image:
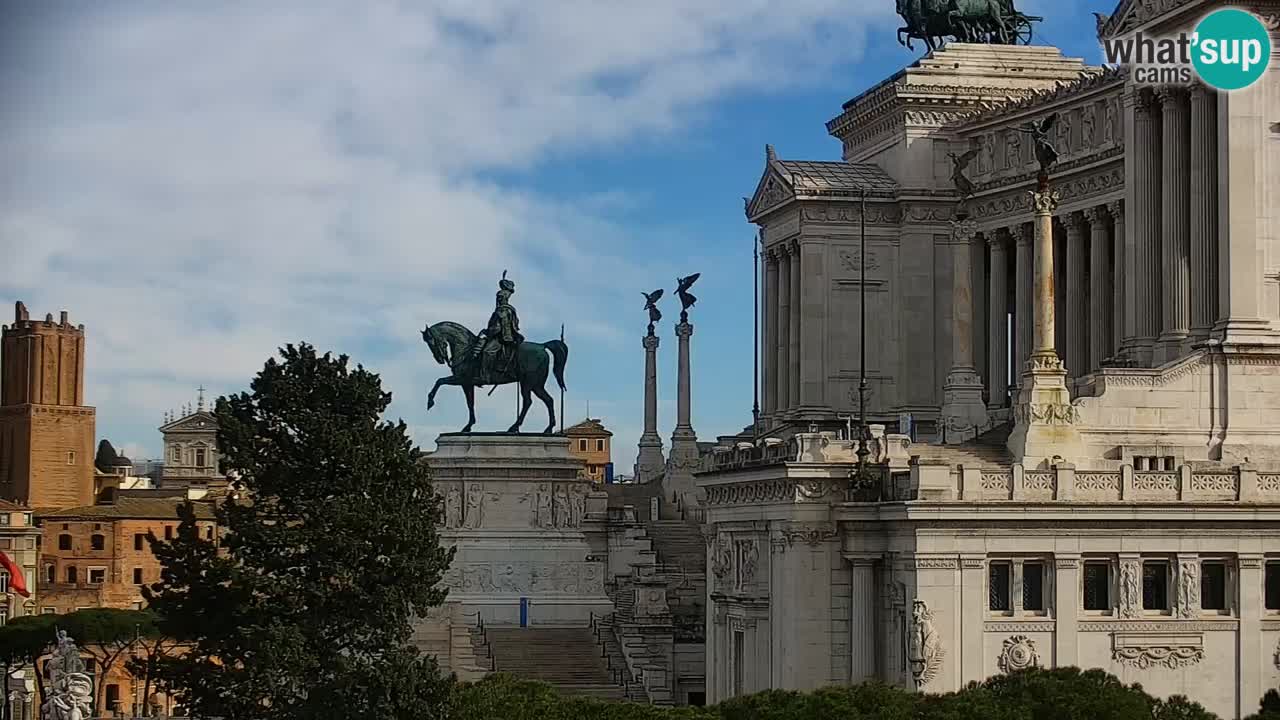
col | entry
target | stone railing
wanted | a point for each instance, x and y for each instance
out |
(937, 481)
(812, 447)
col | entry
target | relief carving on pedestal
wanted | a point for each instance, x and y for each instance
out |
(721, 561)
(542, 515)
(475, 507)
(453, 507)
(1130, 589)
(1019, 653)
(1188, 589)
(561, 507)
(924, 648)
(748, 560)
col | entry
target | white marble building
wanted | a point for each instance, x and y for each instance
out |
(1131, 521)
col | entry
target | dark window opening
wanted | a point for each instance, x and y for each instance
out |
(137, 576)
(1097, 586)
(98, 542)
(64, 542)
(998, 586)
(1272, 586)
(1155, 585)
(168, 532)
(71, 574)
(1213, 586)
(1033, 586)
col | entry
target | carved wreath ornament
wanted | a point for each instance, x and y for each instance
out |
(1019, 653)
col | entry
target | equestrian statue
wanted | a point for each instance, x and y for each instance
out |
(499, 355)
(992, 22)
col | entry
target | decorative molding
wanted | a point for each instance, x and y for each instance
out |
(1214, 483)
(812, 535)
(1161, 482)
(851, 259)
(1046, 413)
(970, 563)
(1018, 653)
(741, 624)
(1170, 652)
(1157, 626)
(997, 481)
(1098, 481)
(777, 490)
(1020, 626)
(877, 213)
(1040, 480)
(1187, 600)
(1269, 482)
(935, 563)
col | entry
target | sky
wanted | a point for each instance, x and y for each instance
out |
(202, 183)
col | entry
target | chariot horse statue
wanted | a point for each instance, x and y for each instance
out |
(499, 355)
(994, 22)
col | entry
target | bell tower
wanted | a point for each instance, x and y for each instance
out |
(46, 431)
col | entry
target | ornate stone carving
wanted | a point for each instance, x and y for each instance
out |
(1269, 482)
(811, 535)
(561, 507)
(1019, 653)
(1188, 601)
(543, 516)
(1130, 589)
(935, 563)
(878, 213)
(1020, 626)
(813, 489)
(721, 561)
(453, 507)
(963, 231)
(851, 259)
(1158, 656)
(748, 561)
(1039, 480)
(924, 648)
(1167, 626)
(1046, 413)
(1214, 483)
(1164, 482)
(1108, 482)
(475, 507)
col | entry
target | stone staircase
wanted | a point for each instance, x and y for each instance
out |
(606, 634)
(986, 452)
(566, 657)
(679, 545)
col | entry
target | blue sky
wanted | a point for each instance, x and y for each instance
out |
(201, 183)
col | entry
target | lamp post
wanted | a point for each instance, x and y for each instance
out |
(755, 325)
(862, 485)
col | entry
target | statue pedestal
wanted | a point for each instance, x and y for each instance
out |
(514, 508)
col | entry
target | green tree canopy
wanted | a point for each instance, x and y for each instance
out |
(329, 550)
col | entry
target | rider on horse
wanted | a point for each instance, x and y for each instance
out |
(502, 338)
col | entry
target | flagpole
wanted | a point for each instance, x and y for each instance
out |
(755, 342)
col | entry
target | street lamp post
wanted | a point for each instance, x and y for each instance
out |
(862, 485)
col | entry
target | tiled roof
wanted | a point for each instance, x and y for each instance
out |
(590, 426)
(132, 508)
(819, 177)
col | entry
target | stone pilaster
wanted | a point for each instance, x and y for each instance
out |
(1099, 308)
(1204, 211)
(1077, 297)
(1023, 315)
(862, 620)
(1119, 281)
(678, 483)
(793, 358)
(962, 407)
(998, 319)
(649, 459)
(770, 350)
(784, 331)
(1044, 418)
(1144, 224)
(1175, 230)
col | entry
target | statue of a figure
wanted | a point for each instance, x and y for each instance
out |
(70, 690)
(651, 304)
(686, 298)
(562, 507)
(577, 507)
(1046, 153)
(544, 518)
(924, 650)
(963, 184)
(453, 507)
(475, 507)
(497, 356)
(498, 342)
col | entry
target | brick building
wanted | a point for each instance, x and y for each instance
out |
(18, 540)
(589, 442)
(46, 431)
(98, 555)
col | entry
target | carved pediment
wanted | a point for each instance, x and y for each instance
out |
(774, 188)
(197, 422)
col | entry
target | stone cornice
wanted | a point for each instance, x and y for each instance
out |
(1042, 99)
(1012, 203)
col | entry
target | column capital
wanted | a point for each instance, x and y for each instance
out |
(996, 239)
(1199, 90)
(793, 246)
(1142, 100)
(1045, 202)
(1096, 214)
(650, 342)
(1073, 222)
(964, 230)
(1170, 95)
(1024, 233)
(770, 256)
(1116, 208)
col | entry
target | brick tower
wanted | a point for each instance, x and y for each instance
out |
(46, 432)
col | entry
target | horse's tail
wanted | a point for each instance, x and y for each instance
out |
(560, 355)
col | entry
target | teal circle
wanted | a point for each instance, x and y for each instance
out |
(1226, 40)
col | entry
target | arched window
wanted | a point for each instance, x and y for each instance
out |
(71, 574)
(64, 541)
(51, 572)
(99, 542)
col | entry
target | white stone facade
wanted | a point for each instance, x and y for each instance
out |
(1132, 523)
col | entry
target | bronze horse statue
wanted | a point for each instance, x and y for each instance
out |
(983, 21)
(453, 345)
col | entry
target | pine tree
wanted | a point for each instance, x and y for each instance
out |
(328, 549)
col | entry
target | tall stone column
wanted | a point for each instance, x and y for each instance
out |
(1023, 234)
(649, 460)
(1175, 224)
(1204, 211)
(678, 484)
(1099, 308)
(998, 319)
(794, 356)
(862, 619)
(1044, 419)
(962, 407)
(784, 331)
(1120, 282)
(1077, 296)
(770, 350)
(1145, 228)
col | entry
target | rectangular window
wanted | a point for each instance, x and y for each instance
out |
(1271, 586)
(71, 457)
(139, 541)
(71, 574)
(1033, 586)
(1155, 585)
(4, 519)
(998, 574)
(168, 532)
(1097, 585)
(200, 457)
(599, 446)
(739, 659)
(1213, 585)
(582, 445)
(4, 581)
(137, 576)
(97, 576)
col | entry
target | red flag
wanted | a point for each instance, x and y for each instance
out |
(17, 580)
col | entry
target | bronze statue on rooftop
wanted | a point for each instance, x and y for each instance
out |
(991, 22)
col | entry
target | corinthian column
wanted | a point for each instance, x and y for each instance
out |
(1077, 310)
(1204, 211)
(1175, 224)
(1144, 223)
(649, 460)
(962, 407)
(998, 329)
(783, 337)
(1023, 234)
(1099, 307)
(1120, 332)
(794, 357)
(770, 350)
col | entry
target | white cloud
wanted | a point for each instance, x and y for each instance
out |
(200, 184)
